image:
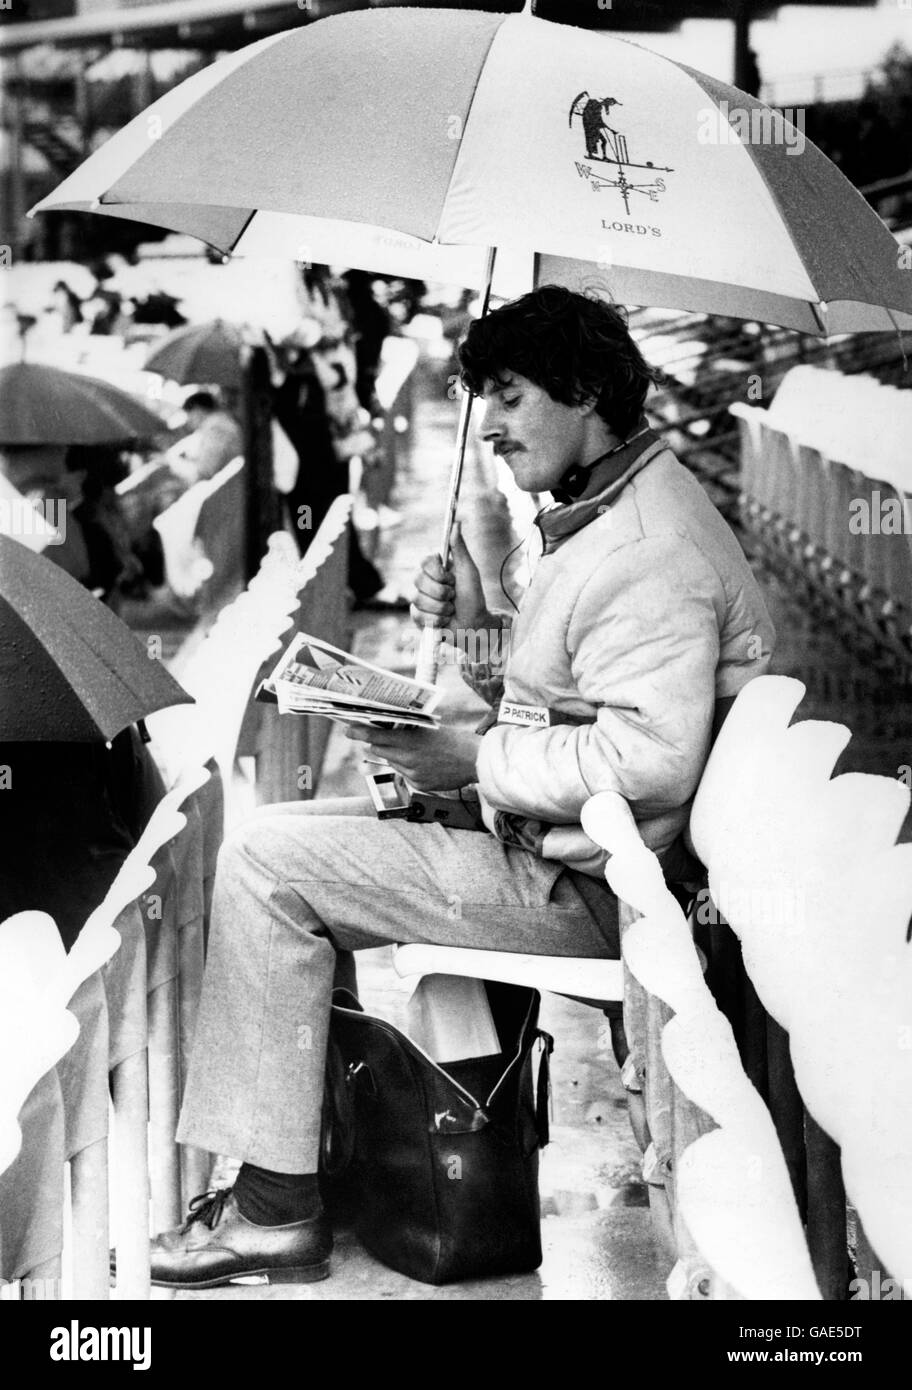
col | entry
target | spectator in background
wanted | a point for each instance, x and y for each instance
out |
(215, 439)
(39, 472)
(751, 76)
(323, 355)
(870, 156)
(403, 299)
(158, 307)
(68, 819)
(98, 512)
(103, 306)
(79, 481)
(372, 324)
(67, 306)
(300, 408)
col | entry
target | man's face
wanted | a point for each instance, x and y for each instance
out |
(538, 437)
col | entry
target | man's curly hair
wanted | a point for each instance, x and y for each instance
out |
(572, 346)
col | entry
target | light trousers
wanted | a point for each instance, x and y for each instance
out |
(296, 885)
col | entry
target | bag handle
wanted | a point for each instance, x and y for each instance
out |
(543, 1088)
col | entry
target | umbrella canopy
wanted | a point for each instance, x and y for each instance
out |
(200, 352)
(44, 405)
(70, 671)
(479, 130)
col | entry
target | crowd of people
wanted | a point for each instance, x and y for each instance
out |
(93, 800)
(325, 407)
(326, 418)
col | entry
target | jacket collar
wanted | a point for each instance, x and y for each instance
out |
(557, 522)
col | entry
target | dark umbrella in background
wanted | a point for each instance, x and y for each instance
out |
(207, 353)
(70, 671)
(40, 404)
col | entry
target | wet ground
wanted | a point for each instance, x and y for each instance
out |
(597, 1232)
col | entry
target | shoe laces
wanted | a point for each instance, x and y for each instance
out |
(207, 1207)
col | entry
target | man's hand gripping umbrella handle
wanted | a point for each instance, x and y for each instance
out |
(426, 665)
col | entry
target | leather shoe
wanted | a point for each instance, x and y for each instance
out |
(217, 1243)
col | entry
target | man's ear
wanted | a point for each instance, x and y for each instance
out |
(587, 405)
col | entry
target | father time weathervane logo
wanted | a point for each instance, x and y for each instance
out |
(606, 145)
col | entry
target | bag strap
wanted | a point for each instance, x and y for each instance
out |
(337, 1131)
(337, 1134)
(543, 1088)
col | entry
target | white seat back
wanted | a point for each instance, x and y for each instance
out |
(806, 869)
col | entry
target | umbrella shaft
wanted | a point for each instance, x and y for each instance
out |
(426, 667)
(462, 432)
(462, 437)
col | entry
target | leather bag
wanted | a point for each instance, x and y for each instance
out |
(438, 1163)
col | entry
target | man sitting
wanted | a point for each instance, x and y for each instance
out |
(215, 439)
(641, 618)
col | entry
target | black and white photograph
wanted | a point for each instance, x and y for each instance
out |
(455, 668)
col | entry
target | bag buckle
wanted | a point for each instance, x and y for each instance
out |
(357, 1070)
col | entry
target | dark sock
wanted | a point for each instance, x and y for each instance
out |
(275, 1199)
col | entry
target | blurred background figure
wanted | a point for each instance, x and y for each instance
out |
(79, 482)
(114, 567)
(103, 308)
(371, 324)
(300, 409)
(66, 306)
(403, 299)
(316, 406)
(752, 81)
(215, 439)
(68, 819)
(39, 472)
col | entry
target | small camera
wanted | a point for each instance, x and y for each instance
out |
(389, 794)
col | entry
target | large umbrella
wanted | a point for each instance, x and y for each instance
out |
(40, 404)
(475, 131)
(70, 671)
(200, 352)
(485, 130)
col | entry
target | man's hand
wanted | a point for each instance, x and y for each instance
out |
(451, 598)
(431, 759)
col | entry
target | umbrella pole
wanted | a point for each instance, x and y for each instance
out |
(426, 666)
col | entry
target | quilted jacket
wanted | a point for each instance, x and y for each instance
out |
(642, 611)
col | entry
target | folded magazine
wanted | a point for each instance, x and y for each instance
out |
(313, 677)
